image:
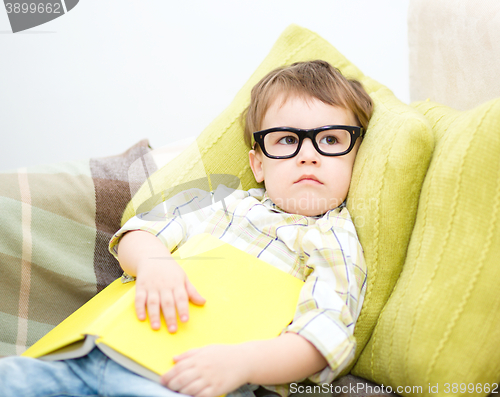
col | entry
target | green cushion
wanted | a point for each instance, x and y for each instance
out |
(387, 178)
(56, 223)
(441, 324)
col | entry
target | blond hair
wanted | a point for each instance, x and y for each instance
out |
(317, 79)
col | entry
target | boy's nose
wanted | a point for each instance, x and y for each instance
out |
(308, 153)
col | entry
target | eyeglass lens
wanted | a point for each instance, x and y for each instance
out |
(285, 143)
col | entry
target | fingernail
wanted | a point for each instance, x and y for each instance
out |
(184, 318)
(172, 328)
(156, 325)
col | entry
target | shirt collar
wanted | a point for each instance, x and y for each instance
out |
(267, 202)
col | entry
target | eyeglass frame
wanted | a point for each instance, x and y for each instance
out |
(355, 131)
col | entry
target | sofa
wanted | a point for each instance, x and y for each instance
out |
(426, 207)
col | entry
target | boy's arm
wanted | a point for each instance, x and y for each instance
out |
(318, 344)
(284, 359)
(214, 370)
(162, 285)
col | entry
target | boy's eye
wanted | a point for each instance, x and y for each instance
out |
(329, 140)
(288, 140)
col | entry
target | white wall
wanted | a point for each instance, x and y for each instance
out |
(111, 72)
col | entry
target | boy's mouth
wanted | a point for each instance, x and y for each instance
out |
(308, 179)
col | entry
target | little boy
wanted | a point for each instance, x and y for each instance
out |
(307, 121)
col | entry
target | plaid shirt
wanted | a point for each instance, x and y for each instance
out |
(323, 251)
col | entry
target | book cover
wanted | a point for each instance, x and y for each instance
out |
(247, 299)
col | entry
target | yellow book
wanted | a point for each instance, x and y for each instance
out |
(247, 299)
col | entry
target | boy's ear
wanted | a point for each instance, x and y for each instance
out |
(255, 159)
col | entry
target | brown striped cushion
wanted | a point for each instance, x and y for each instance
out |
(56, 222)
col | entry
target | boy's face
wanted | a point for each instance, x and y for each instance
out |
(309, 183)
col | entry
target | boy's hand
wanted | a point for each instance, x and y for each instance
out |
(210, 371)
(215, 370)
(162, 286)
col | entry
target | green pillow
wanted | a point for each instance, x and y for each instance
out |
(441, 324)
(387, 178)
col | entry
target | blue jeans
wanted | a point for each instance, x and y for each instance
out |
(91, 375)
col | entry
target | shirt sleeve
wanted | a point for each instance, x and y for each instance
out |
(171, 221)
(333, 293)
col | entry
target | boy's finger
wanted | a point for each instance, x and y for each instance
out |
(140, 303)
(168, 309)
(179, 376)
(185, 355)
(194, 295)
(181, 302)
(194, 387)
(153, 303)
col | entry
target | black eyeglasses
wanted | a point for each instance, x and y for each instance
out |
(329, 140)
